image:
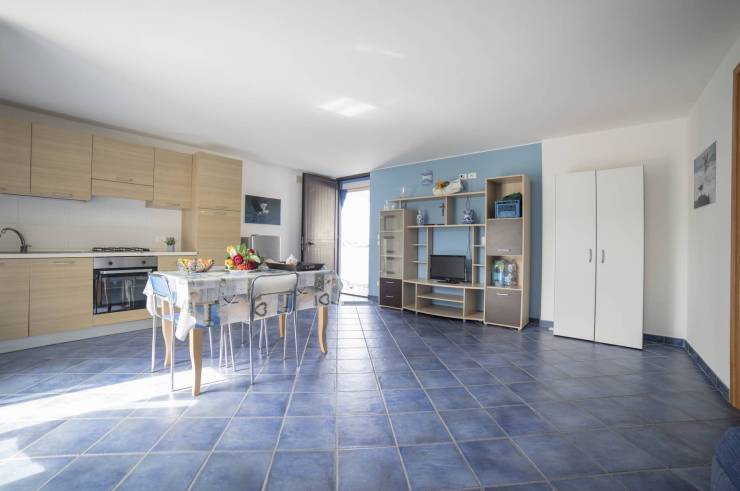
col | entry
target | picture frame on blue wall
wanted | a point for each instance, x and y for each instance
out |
(427, 178)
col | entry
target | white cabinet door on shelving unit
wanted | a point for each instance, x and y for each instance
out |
(575, 254)
(619, 271)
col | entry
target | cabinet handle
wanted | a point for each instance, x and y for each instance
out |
(219, 208)
(603, 256)
(390, 296)
(502, 294)
(590, 255)
(63, 262)
(503, 250)
(172, 204)
(124, 179)
(62, 195)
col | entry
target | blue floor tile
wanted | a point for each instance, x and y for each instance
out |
(258, 404)
(494, 395)
(313, 405)
(613, 451)
(133, 435)
(302, 470)
(452, 398)
(397, 380)
(654, 481)
(668, 449)
(234, 471)
(520, 420)
(566, 416)
(364, 431)
(602, 483)
(383, 464)
(72, 437)
(471, 424)
(498, 462)
(437, 467)
(216, 405)
(250, 434)
(414, 428)
(556, 457)
(29, 473)
(475, 377)
(406, 400)
(364, 402)
(192, 434)
(308, 434)
(164, 471)
(93, 472)
(437, 378)
(356, 381)
(15, 436)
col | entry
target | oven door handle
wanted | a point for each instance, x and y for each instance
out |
(125, 271)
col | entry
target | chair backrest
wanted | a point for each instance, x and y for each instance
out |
(160, 286)
(273, 294)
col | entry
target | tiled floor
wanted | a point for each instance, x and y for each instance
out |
(400, 401)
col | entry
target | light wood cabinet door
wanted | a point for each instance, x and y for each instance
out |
(216, 230)
(61, 163)
(13, 299)
(173, 173)
(169, 263)
(61, 295)
(118, 161)
(15, 156)
(218, 182)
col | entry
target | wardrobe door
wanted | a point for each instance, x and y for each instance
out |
(621, 242)
(575, 254)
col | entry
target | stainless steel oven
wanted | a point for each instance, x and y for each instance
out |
(118, 282)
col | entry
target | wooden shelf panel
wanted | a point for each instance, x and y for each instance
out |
(441, 225)
(512, 288)
(442, 311)
(410, 306)
(442, 297)
(472, 286)
(443, 196)
(474, 316)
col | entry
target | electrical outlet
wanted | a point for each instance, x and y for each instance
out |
(472, 175)
(462, 175)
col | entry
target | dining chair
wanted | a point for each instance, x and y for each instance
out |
(272, 295)
(232, 308)
(164, 309)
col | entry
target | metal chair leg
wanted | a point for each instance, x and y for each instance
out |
(210, 339)
(295, 339)
(285, 343)
(251, 365)
(172, 350)
(259, 344)
(267, 339)
(231, 346)
(154, 340)
(242, 333)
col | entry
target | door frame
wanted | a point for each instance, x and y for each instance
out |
(338, 245)
(735, 245)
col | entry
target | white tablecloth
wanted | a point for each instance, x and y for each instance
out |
(190, 290)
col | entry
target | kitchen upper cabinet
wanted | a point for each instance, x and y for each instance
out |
(61, 163)
(216, 230)
(172, 179)
(217, 182)
(14, 285)
(118, 161)
(61, 293)
(15, 156)
(169, 263)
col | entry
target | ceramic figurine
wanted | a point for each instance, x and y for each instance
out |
(468, 217)
(510, 276)
(420, 218)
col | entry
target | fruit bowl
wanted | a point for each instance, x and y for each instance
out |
(189, 266)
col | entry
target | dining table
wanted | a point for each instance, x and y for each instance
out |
(193, 294)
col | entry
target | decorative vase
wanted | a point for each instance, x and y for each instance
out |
(420, 218)
(170, 247)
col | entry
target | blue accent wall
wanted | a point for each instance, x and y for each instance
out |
(385, 184)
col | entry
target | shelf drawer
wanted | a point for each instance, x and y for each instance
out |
(503, 307)
(390, 292)
(504, 237)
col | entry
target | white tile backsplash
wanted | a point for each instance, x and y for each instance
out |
(57, 224)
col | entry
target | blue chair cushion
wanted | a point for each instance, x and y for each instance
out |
(727, 458)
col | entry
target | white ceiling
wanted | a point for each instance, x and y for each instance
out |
(341, 87)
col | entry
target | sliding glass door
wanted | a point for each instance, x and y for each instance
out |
(354, 235)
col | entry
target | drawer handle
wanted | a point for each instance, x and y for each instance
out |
(172, 204)
(390, 296)
(62, 195)
(503, 250)
(124, 179)
(63, 262)
(219, 207)
(502, 294)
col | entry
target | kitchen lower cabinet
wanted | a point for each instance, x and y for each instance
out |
(14, 286)
(61, 295)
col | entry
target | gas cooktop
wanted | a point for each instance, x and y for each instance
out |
(120, 249)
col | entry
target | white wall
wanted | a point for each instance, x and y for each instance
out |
(276, 182)
(708, 297)
(661, 148)
(56, 224)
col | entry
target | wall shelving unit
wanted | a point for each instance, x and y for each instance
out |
(478, 299)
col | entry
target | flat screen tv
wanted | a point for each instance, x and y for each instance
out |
(448, 268)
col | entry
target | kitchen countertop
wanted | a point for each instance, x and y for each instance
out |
(53, 254)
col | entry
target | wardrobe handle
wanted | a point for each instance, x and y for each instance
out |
(590, 255)
(603, 256)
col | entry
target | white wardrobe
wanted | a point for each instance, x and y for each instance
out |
(599, 255)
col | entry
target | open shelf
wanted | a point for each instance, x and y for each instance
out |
(440, 225)
(440, 196)
(442, 297)
(474, 286)
(441, 310)
(410, 306)
(475, 316)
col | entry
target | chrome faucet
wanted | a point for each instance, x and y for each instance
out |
(24, 246)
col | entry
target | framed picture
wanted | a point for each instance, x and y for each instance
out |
(427, 178)
(261, 210)
(705, 177)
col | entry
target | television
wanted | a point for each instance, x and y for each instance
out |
(448, 268)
